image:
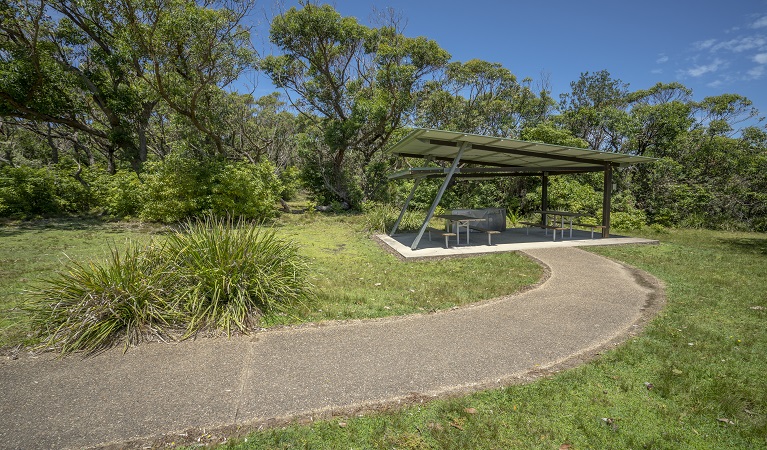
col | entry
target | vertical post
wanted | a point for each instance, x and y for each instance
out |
(464, 146)
(606, 200)
(404, 207)
(544, 196)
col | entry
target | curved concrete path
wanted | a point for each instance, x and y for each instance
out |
(181, 391)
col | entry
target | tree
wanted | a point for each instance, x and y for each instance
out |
(352, 82)
(190, 52)
(482, 98)
(594, 110)
(101, 68)
(659, 115)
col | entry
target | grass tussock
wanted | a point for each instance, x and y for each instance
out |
(211, 275)
(228, 275)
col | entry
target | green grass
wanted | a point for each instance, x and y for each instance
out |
(704, 357)
(209, 275)
(352, 275)
(355, 278)
(32, 251)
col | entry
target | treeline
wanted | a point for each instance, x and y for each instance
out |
(125, 107)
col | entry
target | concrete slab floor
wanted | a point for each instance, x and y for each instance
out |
(511, 240)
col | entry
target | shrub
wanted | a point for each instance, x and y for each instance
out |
(181, 187)
(175, 189)
(633, 220)
(46, 191)
(244, 190)
(380, 218)
(121, 194)
(290, 178)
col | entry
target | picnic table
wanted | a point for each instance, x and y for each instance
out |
(562, 215)
(460, 221)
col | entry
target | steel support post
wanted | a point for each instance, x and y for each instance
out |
(404, 208)
(544, 197)
(606, 200)
(464, 146)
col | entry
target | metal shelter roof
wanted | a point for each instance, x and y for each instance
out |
(508, 156)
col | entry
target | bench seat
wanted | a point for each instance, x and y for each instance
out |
(588, 225)
(489, 233)
(444, 233)
(547, 227)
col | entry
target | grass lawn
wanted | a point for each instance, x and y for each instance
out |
(696, 378)
(354, 277)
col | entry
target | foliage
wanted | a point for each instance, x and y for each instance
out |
(228, 274)
(121, 194)
(182, 187)
(482, 98)
(353, 82)
(102, 74)
(211, 275)
(28, 192)
(380, 218)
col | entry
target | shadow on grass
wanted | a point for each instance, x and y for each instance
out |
(15, 227)
(747, 245)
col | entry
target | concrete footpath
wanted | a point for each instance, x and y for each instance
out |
(180, 392)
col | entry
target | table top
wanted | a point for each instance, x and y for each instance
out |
(459, 217)
(560, 213)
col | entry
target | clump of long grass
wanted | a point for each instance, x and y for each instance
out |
(229, 274)
(211, 274)
(380, 218)
(90, 306)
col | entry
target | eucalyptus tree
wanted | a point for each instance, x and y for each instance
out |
(352, 82)
(659, 115)
(190, 51)
(595, 110)
(260, 128)
(101, 68)
(483, 98)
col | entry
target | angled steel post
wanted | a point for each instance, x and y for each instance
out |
(545, 198)
(606, 200)
(404, 208)
(464, 146)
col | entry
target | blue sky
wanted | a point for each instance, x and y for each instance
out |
(712, 47)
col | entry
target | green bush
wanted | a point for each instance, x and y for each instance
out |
(290, 178)
(27, 192)
(380, 218)
(244, 190)
(175, 189)
(121, 194)
(211, 275)
(633, 220)
(181, 187)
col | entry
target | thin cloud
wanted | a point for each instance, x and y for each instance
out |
(704, 45)
(755, 73)
(701, 70)
(760, 22)
(661, 59)
(760, 58)
(740, 44)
